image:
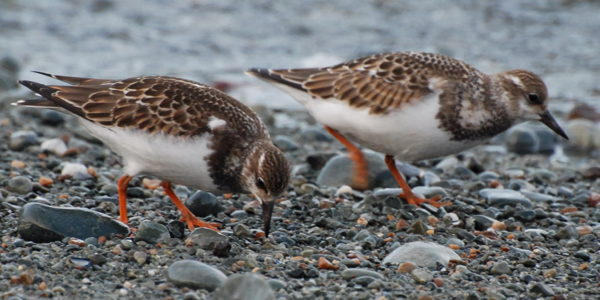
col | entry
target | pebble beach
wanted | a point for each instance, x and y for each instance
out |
(524, 221)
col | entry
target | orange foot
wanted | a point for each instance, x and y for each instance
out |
(195, 222)
(418, 201)
(407, 191)
(188, 216)
(360, 176)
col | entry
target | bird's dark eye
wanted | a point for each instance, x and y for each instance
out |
(260, 183)
(534, 99)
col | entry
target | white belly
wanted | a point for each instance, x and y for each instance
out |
(169, 158)
(410, 133)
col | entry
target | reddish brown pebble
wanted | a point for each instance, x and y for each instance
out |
(42, 285)
(27, 278)
(227, 196)
(324, 203)
(17, 164)
(438, 281)
(497, 225)
(454, 246)
(594, 199)
(494, 184)
(151, 184)
(583, 266)
(362, 221)
(406, 268)
(559, 297)
(45, 181)
(568, 209)
(117, 250)
(259, 234)
(402, 224)
(77, 242)
(164, 286)
(583, 230)
(101, 240)
(92, 172)
(432, 220)
(510, 237)
(425, 296)
(326, 264)
(550, 273)
(504, 249)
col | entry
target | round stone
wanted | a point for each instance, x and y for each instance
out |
(151, 232)
(20, 185)
(203, 204)
(245, 286)
(22, 139)
(196, 275)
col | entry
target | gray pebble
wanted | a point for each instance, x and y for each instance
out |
(22, 139)
(276, 285)
(338, 170)
(20, 185)
(244, 287)
(195, 275)
(206, 238)
(499, 268)
(349, 274)
(422, 254)
(421, 276)
(203, 204)
(151, 232)
(522, 140)
(242, 231)
(285, 143)
(500, 198)
(567, 232)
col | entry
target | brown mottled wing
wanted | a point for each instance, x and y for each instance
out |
(378, 82)
(153, 104)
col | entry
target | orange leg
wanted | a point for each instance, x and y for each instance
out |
(406, 190)
(122, 188)
(188, 216)
(360, 177)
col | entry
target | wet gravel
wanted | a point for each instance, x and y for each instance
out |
(523, 223)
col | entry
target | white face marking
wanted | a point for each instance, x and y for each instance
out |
(261, 160)
(214, 122)
(516, 80)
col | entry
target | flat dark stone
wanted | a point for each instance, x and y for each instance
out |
(43, 223)
(203, 204)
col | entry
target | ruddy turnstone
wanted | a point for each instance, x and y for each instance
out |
(413, 105)
(177, 130)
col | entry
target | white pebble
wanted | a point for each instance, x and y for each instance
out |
(73, 168)
(344, 189)
(123, 292)
(56, 146)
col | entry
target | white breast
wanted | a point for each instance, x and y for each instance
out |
(410, 133)
(175, 159)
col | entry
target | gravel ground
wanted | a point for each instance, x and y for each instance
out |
(523, 223)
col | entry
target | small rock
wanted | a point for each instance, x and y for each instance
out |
(285, 143)
(422, 254)
(500, 268)
(20, 185)
(544, 290)
(567, 232)
(242, 231)
(592, 173)
(522, 140)
(176, 229)
(71, 169)
(318, 160)
(355, 273)
(500, 198)
(222, 249)
(42, 223)
(315, 135)
(244, 287)
(195, 275)
(276, 285)
(418, 228)
(56, 146)
(203, 204)
(205, 238)
(22, 139)
(151, 232)
(339, 170)
(581, 135)
(421, 276)
(52, 117)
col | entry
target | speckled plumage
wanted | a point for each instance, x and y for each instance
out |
(413, 105)
(177, 130)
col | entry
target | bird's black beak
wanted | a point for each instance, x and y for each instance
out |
(267, 208)
(549, 121)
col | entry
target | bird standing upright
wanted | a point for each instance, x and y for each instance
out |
(177, 130)
(413, 106)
